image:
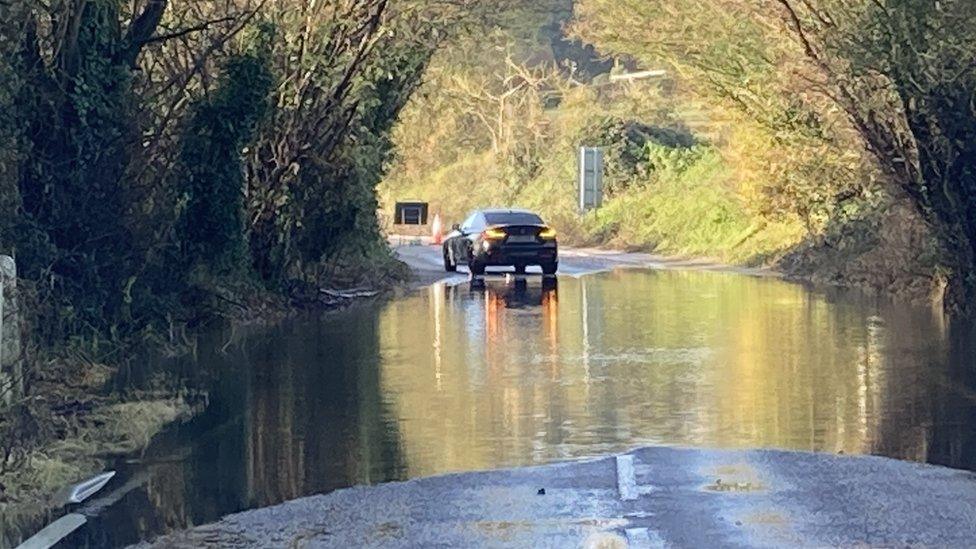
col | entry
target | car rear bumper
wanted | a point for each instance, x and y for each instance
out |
(501, 254)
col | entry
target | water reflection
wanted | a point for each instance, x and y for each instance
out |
(629, 358)
(524, 370)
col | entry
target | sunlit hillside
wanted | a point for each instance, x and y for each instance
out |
(501, 118)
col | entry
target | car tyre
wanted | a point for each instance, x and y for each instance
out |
(550, 268)
(449, 264)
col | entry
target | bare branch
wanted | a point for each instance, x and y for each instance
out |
(189, 30)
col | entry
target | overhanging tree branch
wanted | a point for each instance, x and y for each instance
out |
(189, 30)
(142, 29)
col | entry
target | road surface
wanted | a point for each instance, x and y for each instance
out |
(428, 264)
(652, 497)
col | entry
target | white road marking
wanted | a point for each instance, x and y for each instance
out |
(626, 479)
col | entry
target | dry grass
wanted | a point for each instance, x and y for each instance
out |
(65, 432)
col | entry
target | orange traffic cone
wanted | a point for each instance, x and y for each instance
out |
(435, 229)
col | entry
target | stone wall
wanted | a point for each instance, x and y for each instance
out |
(11, 350)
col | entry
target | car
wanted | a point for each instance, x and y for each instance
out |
(502, 238)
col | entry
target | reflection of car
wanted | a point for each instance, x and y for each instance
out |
(502, 238)
(518, 293)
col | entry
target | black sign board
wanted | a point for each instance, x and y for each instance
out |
(411, 213)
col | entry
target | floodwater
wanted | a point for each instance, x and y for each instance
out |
(516, 372)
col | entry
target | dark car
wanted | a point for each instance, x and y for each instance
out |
(502, 238)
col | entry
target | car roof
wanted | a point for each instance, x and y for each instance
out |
(506, 210)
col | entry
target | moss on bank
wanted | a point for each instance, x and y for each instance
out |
(73, 423)
(66, 431)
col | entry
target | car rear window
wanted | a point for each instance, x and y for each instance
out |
(512, 218)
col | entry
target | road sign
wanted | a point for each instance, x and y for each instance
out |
(591, 178)
(410, 213)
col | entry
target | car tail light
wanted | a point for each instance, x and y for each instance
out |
(548, 233)
(494, 233)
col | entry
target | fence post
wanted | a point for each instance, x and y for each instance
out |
(11, 374)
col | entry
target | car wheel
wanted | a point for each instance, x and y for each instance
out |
(550, 268)
(476, 268)
(449, 264)
(520, 269)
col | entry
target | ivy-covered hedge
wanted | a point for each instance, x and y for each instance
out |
(153, 152)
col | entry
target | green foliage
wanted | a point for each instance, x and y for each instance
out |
(10, 138)
(72, 180)
(671, 181)
(211, 228)
(313, 170)
(633, 151)
(846, 93)
(346, 217)
(902, 71)
(687, 210)
(152, 151)
(802, 160)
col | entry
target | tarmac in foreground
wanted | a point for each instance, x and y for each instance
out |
(652, 497)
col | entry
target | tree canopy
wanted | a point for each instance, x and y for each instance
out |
(157, 144)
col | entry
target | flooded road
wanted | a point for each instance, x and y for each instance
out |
(458, 377)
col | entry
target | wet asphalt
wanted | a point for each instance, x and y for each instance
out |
(428, 266)
(670, 497)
